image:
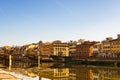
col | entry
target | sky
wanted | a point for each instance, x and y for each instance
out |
(29, 21)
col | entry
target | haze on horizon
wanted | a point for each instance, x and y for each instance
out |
(29, 21)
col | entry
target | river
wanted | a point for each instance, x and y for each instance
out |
(61, 71)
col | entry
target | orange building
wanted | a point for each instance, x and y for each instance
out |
(84, 50)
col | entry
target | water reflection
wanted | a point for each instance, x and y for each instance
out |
(52, 71)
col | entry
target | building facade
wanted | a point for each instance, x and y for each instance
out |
(105, 45)
(45, 49)
(60, 49)
(72, 49)
(106, 48)
(115, 47)
(84, 50)
(96, 49)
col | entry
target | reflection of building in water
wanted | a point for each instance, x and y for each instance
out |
(72, 74)
(56, 74)
(95, 76)
(81, 73)
(84, 73)
(106, 74)
(75, 72)
(61, 72)
(95, 73)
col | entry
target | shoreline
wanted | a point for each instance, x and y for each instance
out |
(7, 75)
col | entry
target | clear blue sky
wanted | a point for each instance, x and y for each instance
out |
(28, 21)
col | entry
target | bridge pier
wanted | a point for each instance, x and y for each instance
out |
(39, 62)
(10, 62)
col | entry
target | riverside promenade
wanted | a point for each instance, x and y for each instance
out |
(4, 75)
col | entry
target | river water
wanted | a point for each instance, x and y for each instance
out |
(61, 71)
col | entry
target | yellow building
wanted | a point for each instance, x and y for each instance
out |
(60, 49)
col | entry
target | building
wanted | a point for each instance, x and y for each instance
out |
(7, 47)
(60, 49)
(96, 49)
(72, 49)
(30, 49)
(84, 50)
(115, 47)
(2, 50)
(45, 49)
(31, 46)
(106, 47)
(80, 41)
